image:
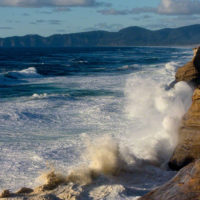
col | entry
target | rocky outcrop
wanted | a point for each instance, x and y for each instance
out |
(188, 148)
(189, 72)
(56, 187)
(184, 186)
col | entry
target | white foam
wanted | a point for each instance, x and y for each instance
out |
(141, 126)
(171, 66)
(44, 95)
(30, 72)
(156, 111)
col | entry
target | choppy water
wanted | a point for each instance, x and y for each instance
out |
(53, 100)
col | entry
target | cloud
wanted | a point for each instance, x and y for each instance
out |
(113, 12)
(45, 12)
(54, 22)
(50, 3)
(143, 10)
(61, 9)
(141, 18)
(179, 7)
(51, 21)
(61, 31)
(174, 21)
(26, 14)
(165, 7)
(5, 28)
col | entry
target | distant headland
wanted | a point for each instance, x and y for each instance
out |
(131, 36)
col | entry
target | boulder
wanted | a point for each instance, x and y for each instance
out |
(188, 148)
(184, 186)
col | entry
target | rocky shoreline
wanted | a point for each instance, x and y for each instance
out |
(186, 158)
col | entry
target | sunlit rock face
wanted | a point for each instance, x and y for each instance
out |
(190, 71)
(188, 148)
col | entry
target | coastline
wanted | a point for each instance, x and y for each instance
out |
(56, 183)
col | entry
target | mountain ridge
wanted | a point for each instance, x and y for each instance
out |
(129, 36)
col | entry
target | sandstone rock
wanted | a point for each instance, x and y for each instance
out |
(188, 148)
(52, 181)
(189, 72)
(5, 194)
(184, 186)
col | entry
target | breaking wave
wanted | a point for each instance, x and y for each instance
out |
(14, 77)
(158, 113)
(113, 143)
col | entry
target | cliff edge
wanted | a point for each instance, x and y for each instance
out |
(188, 147)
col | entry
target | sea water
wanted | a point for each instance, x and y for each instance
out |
(97, 109)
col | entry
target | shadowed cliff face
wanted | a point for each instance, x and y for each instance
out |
(197, 60)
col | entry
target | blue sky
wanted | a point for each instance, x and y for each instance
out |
(47, 17)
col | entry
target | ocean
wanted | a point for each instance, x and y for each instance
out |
(96, 109)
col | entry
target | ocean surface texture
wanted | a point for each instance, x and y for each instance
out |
(90, 108)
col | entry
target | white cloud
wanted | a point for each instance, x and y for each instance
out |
(165, 7)
(47, 3)
(113, 11)
(179, 7)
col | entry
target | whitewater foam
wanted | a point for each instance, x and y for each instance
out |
(140, 127)
(30, 72)
(17, 77)
(39, 95)
(158, 112)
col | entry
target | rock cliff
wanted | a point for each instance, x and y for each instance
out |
(186, 156)
(184, 186)
(189, 71)
(188, 148)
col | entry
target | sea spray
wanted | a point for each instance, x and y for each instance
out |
(158, 113)
(51, 180)
(103, 156)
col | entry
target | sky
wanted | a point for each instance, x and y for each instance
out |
(47, 17)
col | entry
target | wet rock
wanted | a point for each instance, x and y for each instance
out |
(184, 186)
(188, 148)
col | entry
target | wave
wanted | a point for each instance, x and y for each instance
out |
(126, 67)
(30, 72)
(158, 111)
(39, 96)
(134, 159)
(16, 77)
